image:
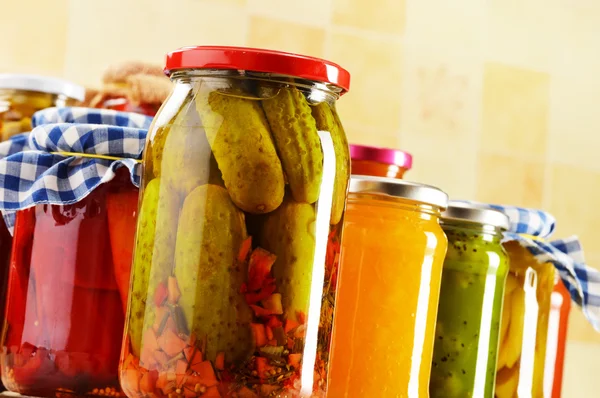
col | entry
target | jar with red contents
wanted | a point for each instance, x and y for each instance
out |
(70, 263)
(379, 162)
(558, 320)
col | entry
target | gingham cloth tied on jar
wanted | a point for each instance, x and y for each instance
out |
(69, 152)
(533, 229)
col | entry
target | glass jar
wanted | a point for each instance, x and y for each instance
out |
(524, 325)
(392, 257)
(468, 320)
(23, 95)
(245, 178)
(557, 339)
(65, 309)
(379, 162)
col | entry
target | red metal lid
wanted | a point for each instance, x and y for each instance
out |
(257, 60)
(381, 155)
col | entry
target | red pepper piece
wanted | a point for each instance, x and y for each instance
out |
(245, 250)
(260, 335)
(264, 293)
(122, 210)
(259, 268)
(206, 373)
(220, 361)
(262, 367)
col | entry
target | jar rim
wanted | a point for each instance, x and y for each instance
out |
(468, 213)
(42, 84)
(382, 155)
(416, 192)
(258, 60)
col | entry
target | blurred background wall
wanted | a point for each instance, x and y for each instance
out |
(497, 100)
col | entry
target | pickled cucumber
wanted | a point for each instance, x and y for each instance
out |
(141, 263)
(186, 153)
(239, 136)
(298, 144)
(210, 233)
(327, 120)
(289, 233)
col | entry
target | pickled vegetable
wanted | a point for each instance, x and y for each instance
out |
(240, 139)
(524, 326)
(328, 120)
(297, 141)
(225, 309)
(469, 313)
(211, 230)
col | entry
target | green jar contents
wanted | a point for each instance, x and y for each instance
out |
(470, 307)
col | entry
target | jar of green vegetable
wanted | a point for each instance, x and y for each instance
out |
(470, 306)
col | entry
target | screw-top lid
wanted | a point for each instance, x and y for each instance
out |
(458, 211)
(421, 193)
(42, 84)
(382, 155)
(258, 60)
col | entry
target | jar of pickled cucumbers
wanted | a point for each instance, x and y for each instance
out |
(380, 162)
(23, 95)
(524, 325)
(391, 266)
(557, 339)
(244, 187)
(468, 320)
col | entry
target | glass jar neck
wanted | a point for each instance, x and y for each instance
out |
(424, 210)
(454, 229)
(328, 92)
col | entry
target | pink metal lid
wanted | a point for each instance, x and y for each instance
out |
(381, 155)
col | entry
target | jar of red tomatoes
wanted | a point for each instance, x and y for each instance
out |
(379, 162)
(71, 257)
(244, 189)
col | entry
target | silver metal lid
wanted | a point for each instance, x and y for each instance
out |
(421, 193)
(459, 211)
(42, 84)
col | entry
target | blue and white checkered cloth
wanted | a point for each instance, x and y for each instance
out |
(583, 282)
(45, 175)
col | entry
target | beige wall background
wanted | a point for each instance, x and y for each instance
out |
(498, 100)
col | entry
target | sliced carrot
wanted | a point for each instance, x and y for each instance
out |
(290, 325)
(301, 316)
(211, 392)
(273, 304)
(245, 392)
(206, 373)
(160, 294)
(131, 380)
(220, 361)
(294, 360)
(259, 267)
(269, 333)
(260, 336)
(173, 292)
(170, 343)
(259, 311)
(148, 381)
(262, 366)
(245, 249)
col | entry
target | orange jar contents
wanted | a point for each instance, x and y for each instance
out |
(557, 339)
(379, 162)
(68, 282)
(23, 95)
(524, 326)
(391, 265)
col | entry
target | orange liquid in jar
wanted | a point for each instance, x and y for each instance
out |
(384, 325)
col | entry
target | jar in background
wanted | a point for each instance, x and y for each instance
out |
(391, 266)
(23, 95)
(557, 339)
(65, 306)
(234, 275)
(379, 162)
(470, 308)
(524, 325)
